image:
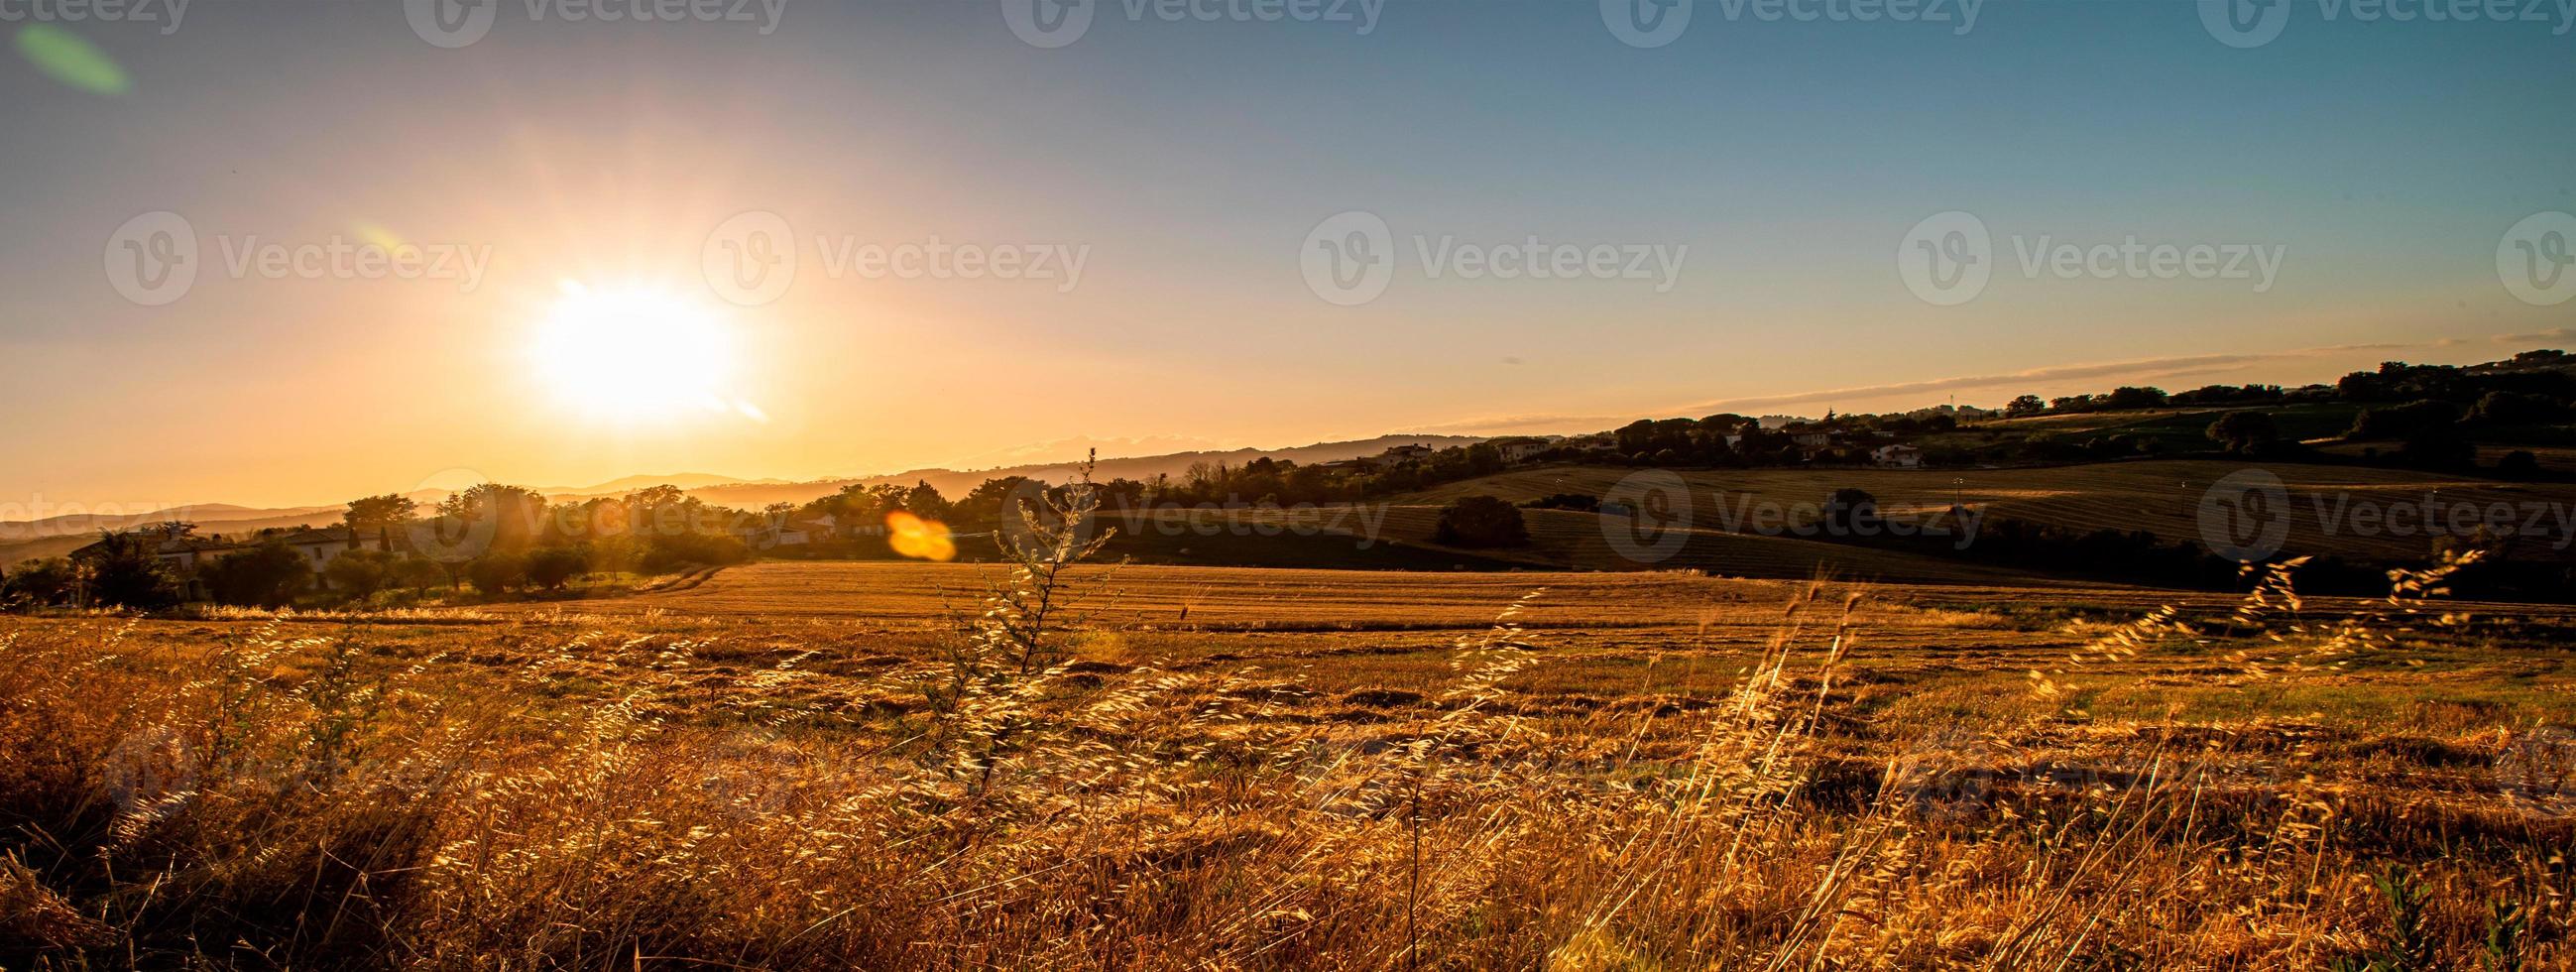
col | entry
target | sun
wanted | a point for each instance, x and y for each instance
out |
(634, 353)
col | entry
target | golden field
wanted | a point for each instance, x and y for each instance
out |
(834, 765)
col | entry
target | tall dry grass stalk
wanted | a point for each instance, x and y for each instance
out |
(256, 798)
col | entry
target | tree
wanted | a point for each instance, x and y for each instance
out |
(1481, 521)
(2403, 421)
(552, 567)
(2245, 431)
(418, 573)
(2517, 408)
(924, 501)
(672, 551)
(514, 512)
(986, 500)
(1849, 510)
(654, 497)
(124, 572)
(2518, 464)
(268, 575)
(2024, 405)
(359, 573)
(378, 515)
(40, 583)
(2128, 397)
(497, 572)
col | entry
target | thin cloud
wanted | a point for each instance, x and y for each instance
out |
(2554, 334)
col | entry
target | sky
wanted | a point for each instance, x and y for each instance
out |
(289, 253)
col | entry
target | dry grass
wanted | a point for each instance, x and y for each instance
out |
(1309, 771)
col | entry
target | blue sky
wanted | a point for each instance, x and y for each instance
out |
(1783, 162)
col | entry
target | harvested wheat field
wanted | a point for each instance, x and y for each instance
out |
(883, 765)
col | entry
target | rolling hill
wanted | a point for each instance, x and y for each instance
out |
(56, 536)
(2159, 496)
(954, 483)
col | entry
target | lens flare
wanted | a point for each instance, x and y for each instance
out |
(920, 539)
(66, 57)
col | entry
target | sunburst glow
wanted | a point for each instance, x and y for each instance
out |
(635, 353)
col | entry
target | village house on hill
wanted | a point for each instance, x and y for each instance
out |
(1897, 457)
(177, 546)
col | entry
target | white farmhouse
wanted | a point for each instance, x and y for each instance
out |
(1897, 457)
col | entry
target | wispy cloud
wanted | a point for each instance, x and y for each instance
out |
(2553, 334)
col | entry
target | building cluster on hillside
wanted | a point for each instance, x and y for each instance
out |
(766, 534)
(1812, 442)
(177, 546)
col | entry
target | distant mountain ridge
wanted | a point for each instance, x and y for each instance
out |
(55, 536)
(954, 482)
(628, 484)
(89, 524)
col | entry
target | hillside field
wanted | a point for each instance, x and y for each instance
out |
(2158, 496)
